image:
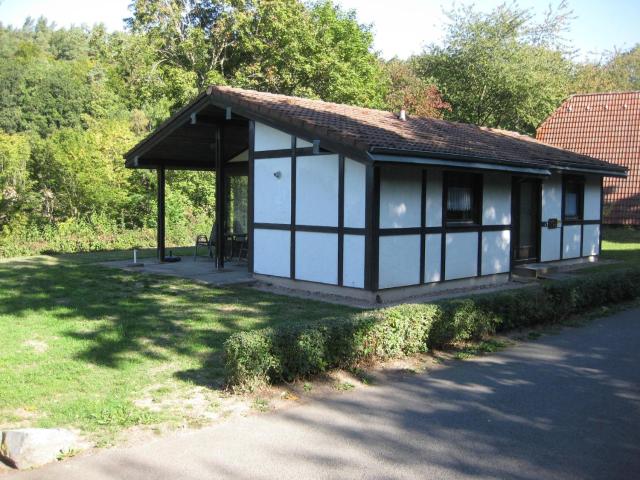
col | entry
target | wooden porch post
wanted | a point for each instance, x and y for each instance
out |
(220, 201)
(161, 214)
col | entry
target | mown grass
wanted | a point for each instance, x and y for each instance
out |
(621, 244)
(82, 344)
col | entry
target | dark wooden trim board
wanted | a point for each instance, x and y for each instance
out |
(562, 218)
(251, 194)
(375, 231)
(286, 153)
(368, 226)
(220, 200)
(443, 238)
(423, 222)
(601, 211)
(479, 216)
(161, 214)
(340, 220)
(292, 258)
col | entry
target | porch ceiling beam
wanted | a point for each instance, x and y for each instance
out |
(166, 128)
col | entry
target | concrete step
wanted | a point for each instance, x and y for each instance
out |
(534, 270)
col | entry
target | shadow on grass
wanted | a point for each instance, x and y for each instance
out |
(127, 317)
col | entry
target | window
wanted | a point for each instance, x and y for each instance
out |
(573, 194)
(463, 197)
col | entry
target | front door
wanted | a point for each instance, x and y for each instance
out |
(526, 204)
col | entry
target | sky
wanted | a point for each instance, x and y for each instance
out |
(401, 27)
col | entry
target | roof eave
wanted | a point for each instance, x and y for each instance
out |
(459, 162)
(477, 162)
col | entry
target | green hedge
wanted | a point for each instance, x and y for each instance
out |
(255, 358)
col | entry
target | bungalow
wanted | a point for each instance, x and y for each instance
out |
(604, 126)
(366, 203)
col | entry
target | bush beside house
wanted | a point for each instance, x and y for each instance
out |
(256, 358)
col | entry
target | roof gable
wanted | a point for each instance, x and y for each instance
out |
(364, 133)
(602, 125)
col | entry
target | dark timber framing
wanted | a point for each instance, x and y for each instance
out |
(250, 194)
(220, 200)
(146, 155)
(368, 225)
(292, 252)
(341, 220)
(161, 214)
(579, 220)
(423, 222)
(340, 230)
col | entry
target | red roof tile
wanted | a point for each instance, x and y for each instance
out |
(604, 126)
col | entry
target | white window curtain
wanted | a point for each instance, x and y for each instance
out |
(459, 199)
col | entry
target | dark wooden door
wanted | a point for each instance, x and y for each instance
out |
(527, 219)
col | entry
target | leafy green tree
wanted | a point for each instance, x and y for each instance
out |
(408, 91)
(313, 50)
(616, 72)
(15, 183)
(501, 69)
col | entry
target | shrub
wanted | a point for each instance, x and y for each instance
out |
(257, 357)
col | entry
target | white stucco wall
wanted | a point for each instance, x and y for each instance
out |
(496, 251)
(432, 246)
(461, 257)
(592, 198)
(399, 261)
(353, 261)
(591, 242)
(300, 143)
(267, 138)
(571, 241)
(400, 197)
(317, 257)
(551, 208)
(434, 198)
(272, 252)
(317, 190)
(496, 201)
(355, 184)
(272, 194)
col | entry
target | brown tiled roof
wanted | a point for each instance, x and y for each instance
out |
(369, 130)
(605, 126)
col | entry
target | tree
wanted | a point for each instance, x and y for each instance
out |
(501, 69)
(286, 46)
(14, 176)
(618, 71)
(410, 92)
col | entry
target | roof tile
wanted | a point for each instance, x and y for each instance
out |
(604, 126)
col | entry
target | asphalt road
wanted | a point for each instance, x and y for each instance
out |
(566, 406)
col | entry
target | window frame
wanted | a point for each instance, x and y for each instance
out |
(578, 183)
(455, 179)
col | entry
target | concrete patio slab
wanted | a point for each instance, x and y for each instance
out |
(201, 270)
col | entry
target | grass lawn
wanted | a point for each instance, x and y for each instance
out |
(101, 349)
(621, 243)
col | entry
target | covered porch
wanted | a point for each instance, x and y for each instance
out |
(204, 137)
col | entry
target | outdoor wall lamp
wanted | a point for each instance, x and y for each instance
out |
(277, 174)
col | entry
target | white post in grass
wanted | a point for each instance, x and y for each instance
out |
(135, 256)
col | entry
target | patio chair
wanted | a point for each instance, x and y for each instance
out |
(203, 241)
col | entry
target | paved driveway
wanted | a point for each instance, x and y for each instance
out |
(566, 406)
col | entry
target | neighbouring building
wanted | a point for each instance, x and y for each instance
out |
(361, 202)
(604, 126)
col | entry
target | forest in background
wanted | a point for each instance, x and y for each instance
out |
(73, 100)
